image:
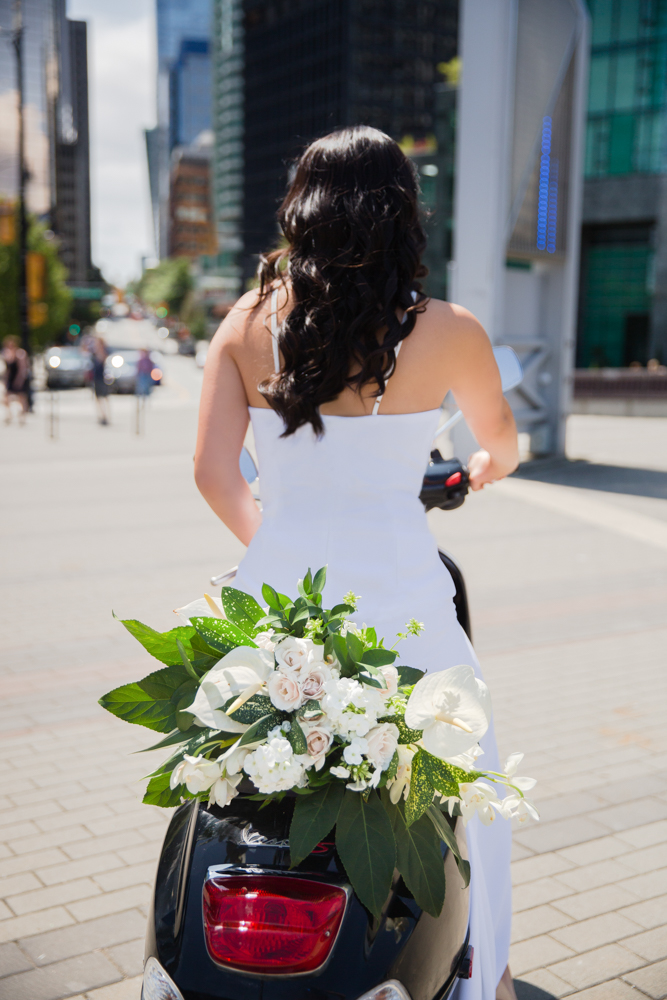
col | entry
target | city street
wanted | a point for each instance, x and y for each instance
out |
(566, 566)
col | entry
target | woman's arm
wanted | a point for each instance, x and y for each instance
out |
(223, 422)
(478, 392)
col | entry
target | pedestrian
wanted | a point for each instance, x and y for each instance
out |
(144, 377)
(99, 355)
(15, 378)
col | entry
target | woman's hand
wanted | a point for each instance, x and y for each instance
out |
(483, 469)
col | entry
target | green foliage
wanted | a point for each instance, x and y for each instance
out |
(418, 858)
(57, 295)
(405, 734)
(221, 635)
(241, 609)
(158, 792)
(297, 738)
(154, 701)
(170, 283)
(446, 833)
(365, 843)
(163, 645)
(421, 790)
(314, 817)
(409, 675)
(260, 729)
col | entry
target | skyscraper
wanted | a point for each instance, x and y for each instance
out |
(304, 68)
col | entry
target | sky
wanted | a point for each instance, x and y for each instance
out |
(121, 80)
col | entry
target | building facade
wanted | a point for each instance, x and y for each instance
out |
(623, 284)
(292, 72)
(191, 232)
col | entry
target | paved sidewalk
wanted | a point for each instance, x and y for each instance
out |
(569, 623)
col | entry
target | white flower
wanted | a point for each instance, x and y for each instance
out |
(400, 785)
(358, 786)
(390, 675)
(241, 672)
(196, 773)
(521, 782)
(273, 767)
(349, 626)
(340, 772)
(466, 761)
(354, 751)
(232, 759)
(351, 708)
(284, 690)
(312, 684)
(382, 743)
(295, 654)
(520, 809)
(200, 609)
(318, 740)
(265, 640)
(478, 797)
(453, 709)
(224, 790)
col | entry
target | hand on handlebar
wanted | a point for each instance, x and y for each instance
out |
(483, 469)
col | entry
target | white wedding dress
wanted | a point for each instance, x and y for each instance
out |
(350, 501)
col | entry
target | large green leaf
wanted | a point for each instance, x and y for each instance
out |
(254, 708)
(242, 610)
(421, 790)
(319, 580)
(162, 645)
(378, 657)
(442, 826)
(409, 675)
(314, 817)
(158, 792)
(221, 635)
(418, 858)
(297, 738)
(260, 729)
(365, 843)
(151, 702)
(405, 734)
(441, 775)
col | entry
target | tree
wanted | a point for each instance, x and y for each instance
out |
(169, 284)
(55, 299)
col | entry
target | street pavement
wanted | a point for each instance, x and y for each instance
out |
(566, 565)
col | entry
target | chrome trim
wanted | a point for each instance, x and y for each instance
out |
(393, 983)
(221, 871)
(152, 962)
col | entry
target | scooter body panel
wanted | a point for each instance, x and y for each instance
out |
(420, 951)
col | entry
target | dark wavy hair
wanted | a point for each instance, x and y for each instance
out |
(354, 242)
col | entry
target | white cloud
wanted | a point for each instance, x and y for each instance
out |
(121, 68)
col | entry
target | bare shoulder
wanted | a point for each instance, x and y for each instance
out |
(448, 327)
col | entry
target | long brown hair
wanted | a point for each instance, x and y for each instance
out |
(353, 258)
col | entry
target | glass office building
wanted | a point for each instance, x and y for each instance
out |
(623, 302)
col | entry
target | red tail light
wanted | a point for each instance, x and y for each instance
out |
(271, 924)
(454, 479)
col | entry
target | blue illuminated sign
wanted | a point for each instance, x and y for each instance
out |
(547, 201)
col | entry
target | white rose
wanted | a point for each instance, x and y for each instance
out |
(239, 672)
(298, 654)
(284, 691)
(196, 773)
(318, 740)
(382, 743)
(390, 675)
(312, 684)
(265, 640)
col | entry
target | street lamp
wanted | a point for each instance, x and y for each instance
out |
(24, 177)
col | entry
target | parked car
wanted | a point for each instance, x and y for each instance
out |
(120, 369)
(66, 367)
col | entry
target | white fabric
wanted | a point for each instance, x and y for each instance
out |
(274, 330)
(350, 500)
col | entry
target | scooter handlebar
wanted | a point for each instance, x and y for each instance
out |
(445, 483)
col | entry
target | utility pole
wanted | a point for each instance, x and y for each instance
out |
(24, 176)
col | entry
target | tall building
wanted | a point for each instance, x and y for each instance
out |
(191, 232)
(183, 97)
(299, 70)
(71, 217)
(623, 296)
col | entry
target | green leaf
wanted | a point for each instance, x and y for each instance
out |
(446, 833)
(421, 790)
(193, 746)
(241, 609)
(355, 647)
(365, 843)
(162, 645)
(173, 739)
(314, 817)
(151, 702)
(392, 770)
(409, 675)
(260, 729)
(418, 858)
(311, 707)
(271, 597)
(158, 792)
(340, 652)
(221, 635)
(378, 657)
(372, 680)
(319, 580)
(254, 708)
(341, 611)
(441, 775)
(297, 738)
(186, 663)
(406, 735)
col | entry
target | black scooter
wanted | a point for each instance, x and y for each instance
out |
(230, 920)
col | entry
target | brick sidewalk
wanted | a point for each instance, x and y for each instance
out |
(570, 626)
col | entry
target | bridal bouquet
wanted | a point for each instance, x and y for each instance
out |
(301, 700)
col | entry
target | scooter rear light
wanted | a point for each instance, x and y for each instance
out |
(454, 479)
(271, 924)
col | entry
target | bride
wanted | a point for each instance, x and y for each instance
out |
(340, 362)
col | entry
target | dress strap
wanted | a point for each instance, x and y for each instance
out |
(274, 330)
(378, 399)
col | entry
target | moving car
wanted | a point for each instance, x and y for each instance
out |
(66, 367)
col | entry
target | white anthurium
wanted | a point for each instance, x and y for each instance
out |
(201, 608)
(241, 673)
(453, 709)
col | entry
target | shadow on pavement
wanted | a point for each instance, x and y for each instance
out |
(590, 476)
(526, 991)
